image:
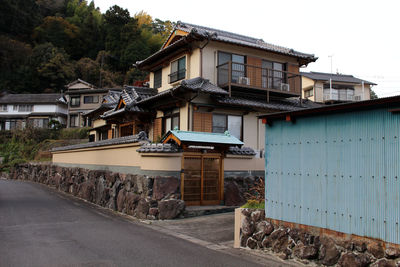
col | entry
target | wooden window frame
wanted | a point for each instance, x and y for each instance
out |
(177, 114)
(307, 93)
(157, 84)
(3, 108)
(70, 120)
(179, 72)
(227, 125)
(75, 105)
(86, 97)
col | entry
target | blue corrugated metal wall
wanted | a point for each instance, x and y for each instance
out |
(338, 171)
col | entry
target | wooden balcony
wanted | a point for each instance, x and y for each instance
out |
(244, 76)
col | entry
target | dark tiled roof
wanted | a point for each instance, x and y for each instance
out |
(141, 93)
(239, 39)
(234, 150)
(32, 99)
(196, 32)
(320, 76)
(131, 96)
(202, 85)
(288, 104)
(159, 148)
(111, 99)
(116, 141)
(195, 85)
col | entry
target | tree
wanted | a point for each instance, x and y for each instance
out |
(143, 18)
(88, 70)
(373, 95)
(15, 72)
(18, 18)
(53, 66)
(60, 33)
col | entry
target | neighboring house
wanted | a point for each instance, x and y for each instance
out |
(100, 129)
(19, 110)
(208, 85)
(336, 168)
(334, 88)
(82, 97)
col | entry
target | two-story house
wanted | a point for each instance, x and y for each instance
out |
(207, 86)
(212, 81)
(100, 129)
(19, 110)
(83, 97)
(334, 88)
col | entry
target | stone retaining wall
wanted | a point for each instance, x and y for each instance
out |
(236, 187)
(256, 232)
(137, 195)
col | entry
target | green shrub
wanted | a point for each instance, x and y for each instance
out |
(254, 204)
(74, 133)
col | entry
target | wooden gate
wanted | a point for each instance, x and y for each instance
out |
(202, 179)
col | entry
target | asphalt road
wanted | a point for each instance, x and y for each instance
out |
(41, 227)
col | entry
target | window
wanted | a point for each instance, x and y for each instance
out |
(273, 74)
(25, 108)
(103, 135)
(232, 123)
(13, 124)
(238, 67)
(91, 99)
(40, 123)
(170, 122)
(178, 70)
(157, 78)
(3, 107)
(308, 93)
(73, 120)
(75, 101)
(88, 122)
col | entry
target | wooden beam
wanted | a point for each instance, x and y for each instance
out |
(172, 137)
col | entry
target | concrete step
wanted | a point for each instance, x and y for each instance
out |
(194, 211)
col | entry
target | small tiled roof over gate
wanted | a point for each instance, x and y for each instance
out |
(203, 138)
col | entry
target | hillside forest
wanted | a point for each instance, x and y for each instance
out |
(45, 44)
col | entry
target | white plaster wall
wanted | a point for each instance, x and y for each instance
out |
(45, 108)
(253, 131)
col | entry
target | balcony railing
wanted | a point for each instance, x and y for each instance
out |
(340, 95)
(255, 77)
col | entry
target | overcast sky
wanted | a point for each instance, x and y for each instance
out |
(361, 37)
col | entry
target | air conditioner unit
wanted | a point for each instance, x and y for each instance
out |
(357, 98)
(285, 87)
(244, 80)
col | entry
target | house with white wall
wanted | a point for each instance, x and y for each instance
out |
(334, 88)
(19, 110)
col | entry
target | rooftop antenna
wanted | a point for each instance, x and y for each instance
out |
(331, 56)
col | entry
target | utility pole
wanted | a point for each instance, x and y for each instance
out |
(101, 68)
